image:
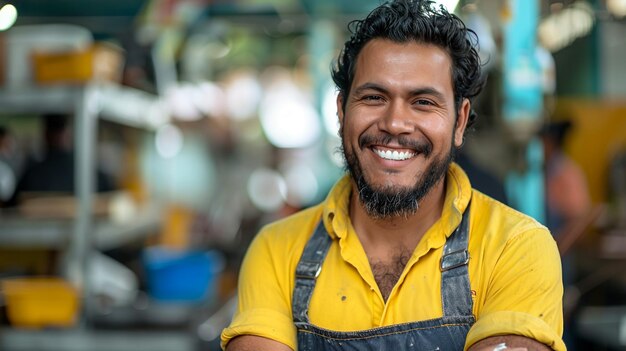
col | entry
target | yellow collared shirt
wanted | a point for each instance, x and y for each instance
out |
(514, 270)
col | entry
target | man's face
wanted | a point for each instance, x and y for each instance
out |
(400, 127)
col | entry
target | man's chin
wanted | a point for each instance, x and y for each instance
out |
(391, 186)
(391, 190)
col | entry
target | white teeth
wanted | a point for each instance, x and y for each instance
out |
(394, 155)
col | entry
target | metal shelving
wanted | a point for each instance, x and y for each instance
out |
(108, 101)
(83, 233)
(19, 231)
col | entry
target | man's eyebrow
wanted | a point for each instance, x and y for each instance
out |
(418, 91)
(428, 91)
(370, 86)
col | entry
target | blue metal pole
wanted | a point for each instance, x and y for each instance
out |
(523, 105)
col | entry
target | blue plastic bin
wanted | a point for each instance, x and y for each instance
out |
(183, 276)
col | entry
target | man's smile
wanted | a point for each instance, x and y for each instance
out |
(395, 148)
(393, 154)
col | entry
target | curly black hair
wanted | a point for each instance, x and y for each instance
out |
(421, 21)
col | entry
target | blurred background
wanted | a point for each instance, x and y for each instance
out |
(143, 143)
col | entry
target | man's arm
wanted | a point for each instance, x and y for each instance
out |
(523, 296)
(513, 343)
(255, 343)
(264, 297)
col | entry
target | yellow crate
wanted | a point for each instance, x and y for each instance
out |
(38, 302)
(71, 67)
(99, 62)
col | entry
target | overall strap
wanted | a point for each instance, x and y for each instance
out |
(456, 294)
(308, 269)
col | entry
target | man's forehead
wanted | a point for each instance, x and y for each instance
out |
(384, 61)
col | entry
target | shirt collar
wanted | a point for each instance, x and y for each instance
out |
(337, 208)
(458, 195)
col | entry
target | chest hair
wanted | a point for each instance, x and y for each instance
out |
(388, 273)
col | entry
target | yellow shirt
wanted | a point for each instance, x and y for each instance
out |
(514, 270)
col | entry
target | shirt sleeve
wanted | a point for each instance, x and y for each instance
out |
(264, 304)
(525, 291)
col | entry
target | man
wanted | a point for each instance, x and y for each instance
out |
(403, 253)
(9, 165)
(567, 199)
(55, 171)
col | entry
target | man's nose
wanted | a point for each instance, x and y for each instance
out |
(397, 119)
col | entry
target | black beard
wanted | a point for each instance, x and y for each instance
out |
(390, 201)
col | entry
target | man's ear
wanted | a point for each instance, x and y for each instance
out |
(340, 113)
(461, 122)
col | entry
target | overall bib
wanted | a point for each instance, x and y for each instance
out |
(445, 333)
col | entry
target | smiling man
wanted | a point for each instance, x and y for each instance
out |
(403, 253)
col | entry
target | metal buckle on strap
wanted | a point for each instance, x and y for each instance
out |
(454, 259)
(308, 270)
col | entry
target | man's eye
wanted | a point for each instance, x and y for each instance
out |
(424, 102)
(372, 98)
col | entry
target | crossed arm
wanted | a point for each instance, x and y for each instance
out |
(513, 343)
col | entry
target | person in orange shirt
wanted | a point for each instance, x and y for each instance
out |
(568, 205)
(567, 194)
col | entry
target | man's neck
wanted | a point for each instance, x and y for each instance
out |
(381, 237)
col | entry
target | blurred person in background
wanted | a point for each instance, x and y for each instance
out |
(55, 171)
(403, 253)
(567, 194)
(10, 165)
(9, 150)
(568, 205)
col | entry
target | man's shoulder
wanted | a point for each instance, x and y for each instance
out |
(507, 221)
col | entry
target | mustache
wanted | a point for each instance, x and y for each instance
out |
(423, 147)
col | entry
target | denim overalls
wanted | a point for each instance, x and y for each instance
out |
(445, 333)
